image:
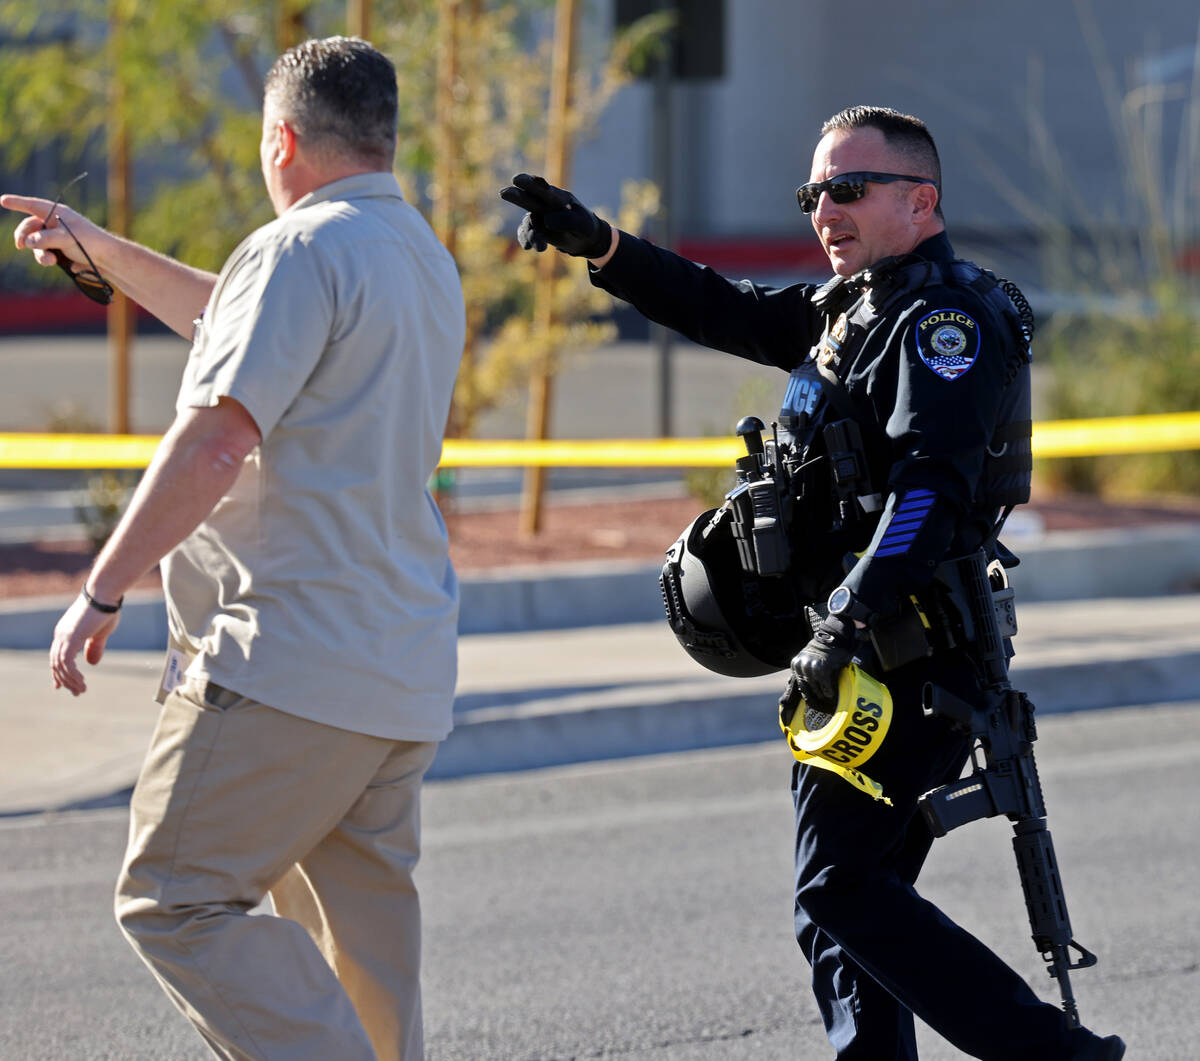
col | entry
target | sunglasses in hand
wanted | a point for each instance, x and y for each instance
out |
(847, 187)
(89, 281)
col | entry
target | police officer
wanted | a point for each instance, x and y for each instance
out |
(928, 357)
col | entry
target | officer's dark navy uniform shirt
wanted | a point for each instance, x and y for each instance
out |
(939, 375)
(935, 373)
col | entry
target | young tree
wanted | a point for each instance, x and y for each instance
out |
(192, 78)
(193, 134)
(492, 64)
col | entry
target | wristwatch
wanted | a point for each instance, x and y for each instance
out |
(845, 605)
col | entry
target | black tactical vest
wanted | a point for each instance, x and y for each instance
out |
(816, 399)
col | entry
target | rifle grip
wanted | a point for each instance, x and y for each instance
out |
(937, 702)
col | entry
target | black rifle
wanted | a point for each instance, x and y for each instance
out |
(1008, 782)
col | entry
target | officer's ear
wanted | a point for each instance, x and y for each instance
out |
(924, 202)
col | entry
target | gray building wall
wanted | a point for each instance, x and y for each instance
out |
(984, 76)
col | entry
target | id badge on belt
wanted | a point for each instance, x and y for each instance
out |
(174, 668)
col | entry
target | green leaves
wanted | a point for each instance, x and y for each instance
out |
(1144, 360)
(186, 80)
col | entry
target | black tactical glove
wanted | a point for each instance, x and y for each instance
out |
(818, 664)
(556, 218)
(790, 700)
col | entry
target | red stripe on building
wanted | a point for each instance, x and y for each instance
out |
(757, 255)
(54, 311)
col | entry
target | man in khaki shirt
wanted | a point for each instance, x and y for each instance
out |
(311, 602)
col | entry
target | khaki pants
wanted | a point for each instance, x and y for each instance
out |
(236, 800)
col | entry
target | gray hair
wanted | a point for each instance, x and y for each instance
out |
(340, 95)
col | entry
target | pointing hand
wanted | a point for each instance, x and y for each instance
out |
(556, 218)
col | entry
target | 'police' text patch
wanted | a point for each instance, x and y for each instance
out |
(948, 342)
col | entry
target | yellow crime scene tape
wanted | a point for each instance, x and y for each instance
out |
(76, 451)
(1153, 433)
(1156, 433)
(852, 734)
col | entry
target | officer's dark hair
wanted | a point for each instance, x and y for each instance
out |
(340, 96)
(908, 135)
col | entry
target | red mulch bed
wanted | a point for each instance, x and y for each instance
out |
(49, 569)
(639, 530)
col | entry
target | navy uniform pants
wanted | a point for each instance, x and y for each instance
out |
(879, 952)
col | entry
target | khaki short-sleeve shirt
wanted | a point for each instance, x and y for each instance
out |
(321, 583)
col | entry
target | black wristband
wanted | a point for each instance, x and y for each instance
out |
(107, 609)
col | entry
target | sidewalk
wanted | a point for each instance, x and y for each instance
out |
(532, 699)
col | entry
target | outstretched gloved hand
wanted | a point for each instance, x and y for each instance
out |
(556, 218)
(817, 665)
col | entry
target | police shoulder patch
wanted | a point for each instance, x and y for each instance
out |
(948, 342)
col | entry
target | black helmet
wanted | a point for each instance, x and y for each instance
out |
(727, 620)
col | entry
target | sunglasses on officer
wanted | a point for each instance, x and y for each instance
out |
(89, 281)
(847, 187)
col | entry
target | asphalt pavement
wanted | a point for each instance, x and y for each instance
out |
(641, 908)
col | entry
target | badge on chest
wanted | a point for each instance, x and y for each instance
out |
(830, 352)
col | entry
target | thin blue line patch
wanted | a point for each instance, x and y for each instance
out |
(906, 522)
(948, 342)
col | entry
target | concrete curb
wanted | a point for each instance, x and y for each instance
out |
(516, 599)
(658, 718)
(553, 697)
(557, 596)
(29, 623)
(661, 717)
(1063, 565)
(1126, 562)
